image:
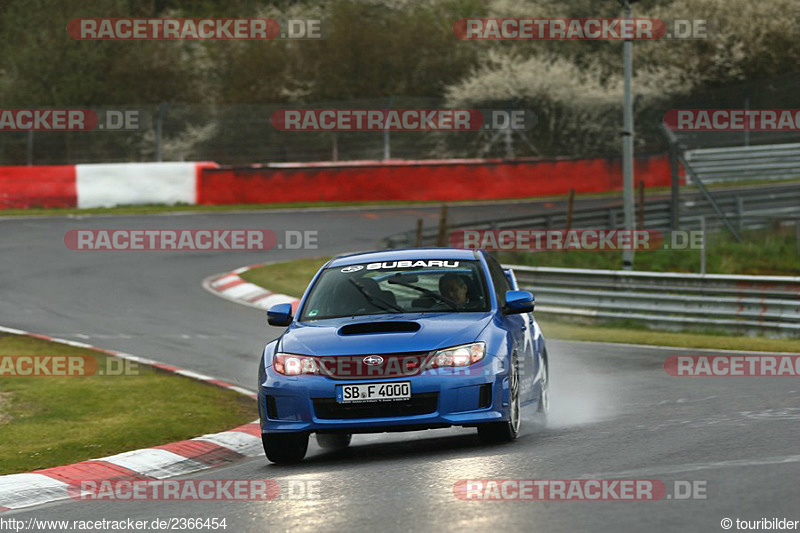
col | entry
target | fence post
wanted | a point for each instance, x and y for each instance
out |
(418, 239)
(162, 110)
(675, 215)
(387, 141)
(30, 147)
(441, 238)
(570, 203)
(641, 204)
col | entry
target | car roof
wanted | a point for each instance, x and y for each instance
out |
(403, 254)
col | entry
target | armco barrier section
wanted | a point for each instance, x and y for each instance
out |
(763, 304)
(100, 185)
(37, 186)
(443, 180)
(739, 163)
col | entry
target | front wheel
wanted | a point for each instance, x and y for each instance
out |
(285, 448)
(506, 431)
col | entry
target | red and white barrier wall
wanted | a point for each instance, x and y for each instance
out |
(446, 180)
(101, 185)
(137, 183)
(40, 186)
(106, 185)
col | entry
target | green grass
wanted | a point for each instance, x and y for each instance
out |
(180, 208)
(292, 277)
(289, 277)
(51, 421)
(763, 252)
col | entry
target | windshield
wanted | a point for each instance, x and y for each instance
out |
(415, 286)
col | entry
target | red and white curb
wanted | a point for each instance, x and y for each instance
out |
(232, 287)
(18, 491)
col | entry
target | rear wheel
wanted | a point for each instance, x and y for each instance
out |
(285, 448)
(334, 441)
(506, 431)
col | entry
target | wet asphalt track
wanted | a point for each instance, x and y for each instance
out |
(615, 411)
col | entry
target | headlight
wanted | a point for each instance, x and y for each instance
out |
(290, 364)
(463, 355)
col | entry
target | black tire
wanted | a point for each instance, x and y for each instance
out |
(334, 441)
(508, 430)
(543, 406)
(285, 448)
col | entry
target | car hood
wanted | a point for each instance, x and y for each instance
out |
(436, 331)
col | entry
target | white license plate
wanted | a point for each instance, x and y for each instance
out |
(373, 392)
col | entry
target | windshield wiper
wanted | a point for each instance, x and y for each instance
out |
(375, 300)
(427, 292)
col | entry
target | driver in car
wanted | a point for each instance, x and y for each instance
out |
(454, 288)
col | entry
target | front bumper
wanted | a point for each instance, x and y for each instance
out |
(308, 403)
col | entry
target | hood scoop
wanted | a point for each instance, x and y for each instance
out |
(365, 328)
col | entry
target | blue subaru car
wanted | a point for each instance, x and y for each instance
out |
(402, 340)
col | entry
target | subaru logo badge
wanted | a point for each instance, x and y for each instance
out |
(373, 360)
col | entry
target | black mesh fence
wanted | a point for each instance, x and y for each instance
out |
(243, 134)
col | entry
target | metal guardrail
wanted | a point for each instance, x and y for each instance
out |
(767, 162)
(749, 209)
(742, 303)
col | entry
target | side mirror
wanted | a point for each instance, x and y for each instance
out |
(518, 302)
(280, 315)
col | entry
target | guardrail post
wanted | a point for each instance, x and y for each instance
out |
(703, 245)
(739, 212)
(797, 232)
(418, 239)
